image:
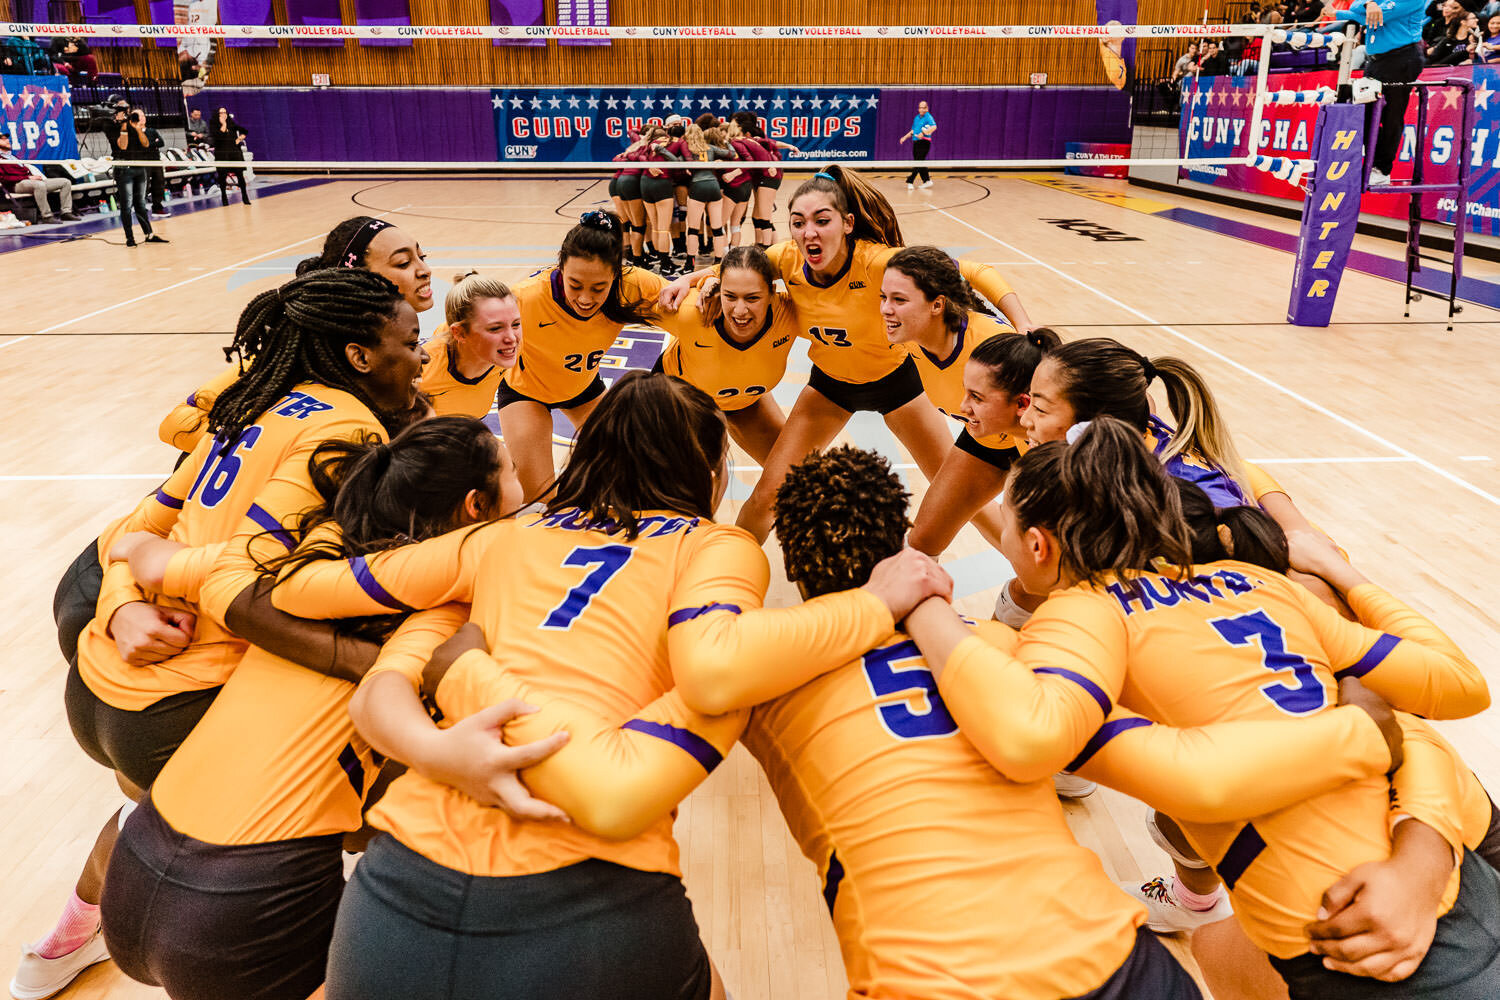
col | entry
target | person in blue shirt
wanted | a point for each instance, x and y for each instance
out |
(922, 128)
(1393, 33)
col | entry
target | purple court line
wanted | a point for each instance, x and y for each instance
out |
(1484, 293)
(103, 222)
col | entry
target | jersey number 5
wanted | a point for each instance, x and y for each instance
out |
(905, 720)
(607, 560)
(1306, 693)
(221, 468)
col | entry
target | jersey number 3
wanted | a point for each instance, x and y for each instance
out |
(1305, 693)
(607, 560)
(905, 720)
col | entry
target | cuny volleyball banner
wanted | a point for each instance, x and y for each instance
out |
(37, 113)
(1216, 120)
(571, 123)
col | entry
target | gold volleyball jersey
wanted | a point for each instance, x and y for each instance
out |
(561, 351)
(242, 494)
(453, 394)
(1229, 642)
(841, 314)
(943, 378)
(188, 422)
(276, 756)
(736, 375)
(600, 621)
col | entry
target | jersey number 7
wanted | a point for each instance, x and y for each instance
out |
(607, 560)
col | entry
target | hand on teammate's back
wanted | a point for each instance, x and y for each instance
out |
(908, 578)
(1352, 692)
(1379, 920)
(145, 633)
(472, 757)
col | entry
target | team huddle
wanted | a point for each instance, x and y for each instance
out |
(355, 619)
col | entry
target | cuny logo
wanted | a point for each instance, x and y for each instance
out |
(520, 152)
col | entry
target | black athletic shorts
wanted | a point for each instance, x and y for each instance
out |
(655, 189)
(209, 922)
(629, 187)
(507, 395)
(137, 744)
(76, 599)
(1150, 972)
(1000, 458)
(411, 929)
(884, 395)
(614, 187)
(737, 193)
(763, 179)
(705, 191)
(1489, 847)
(1462, 964)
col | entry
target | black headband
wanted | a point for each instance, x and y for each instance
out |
(360, 242)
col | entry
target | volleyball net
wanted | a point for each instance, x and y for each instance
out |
(319, 97)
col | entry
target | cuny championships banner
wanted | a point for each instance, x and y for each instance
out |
(37, 112)
(1216, 121)
(573, 123)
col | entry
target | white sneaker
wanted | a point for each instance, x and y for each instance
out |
(1071, 786)
(1165, 915)
(1378, 179)
(927, 184)
(39, 977)
(909, 186)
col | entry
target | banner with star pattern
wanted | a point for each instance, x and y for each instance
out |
(1216, 119)
(37, 112)
(580, 123)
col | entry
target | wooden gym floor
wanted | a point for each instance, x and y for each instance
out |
(1382, 429)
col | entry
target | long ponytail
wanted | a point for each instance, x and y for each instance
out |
(874, 218)
(1201, 430)
(1106, 498)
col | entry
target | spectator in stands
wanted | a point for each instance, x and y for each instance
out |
(1460, 37)
(22, 178)
(1214, 61)
(133, 152)
(229, 144)
(197, 129)
(1444, 24)
(1488, 50)
(1186, 65)
(70, 54)
(20, 56)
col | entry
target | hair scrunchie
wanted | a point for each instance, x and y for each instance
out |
(1148, 369)
(1076, 431)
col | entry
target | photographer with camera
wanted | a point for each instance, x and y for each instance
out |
(228, 137)
(134, 147)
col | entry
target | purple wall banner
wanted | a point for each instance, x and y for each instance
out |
(110, 12)
(315, 12)
(247, 12)
(461, 124)
(523, 13)
(583, 14)
(386, 13)
(37, 113)
(1329, 215)
(163, 12)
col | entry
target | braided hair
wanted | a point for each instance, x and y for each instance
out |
(296, 333)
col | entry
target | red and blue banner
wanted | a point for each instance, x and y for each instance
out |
(1094, 158)
(1216, 121)
(37, 112)
(1330, 216)
(581, 123)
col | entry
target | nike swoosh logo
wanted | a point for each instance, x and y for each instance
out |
(550, 322)
(704, 346)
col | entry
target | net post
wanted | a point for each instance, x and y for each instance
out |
(1262, 73)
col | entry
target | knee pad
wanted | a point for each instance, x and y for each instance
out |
(760, 224)
(679, 214)
(717, 232)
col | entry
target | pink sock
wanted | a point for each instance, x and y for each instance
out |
(1191, 900)
(77, 924)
